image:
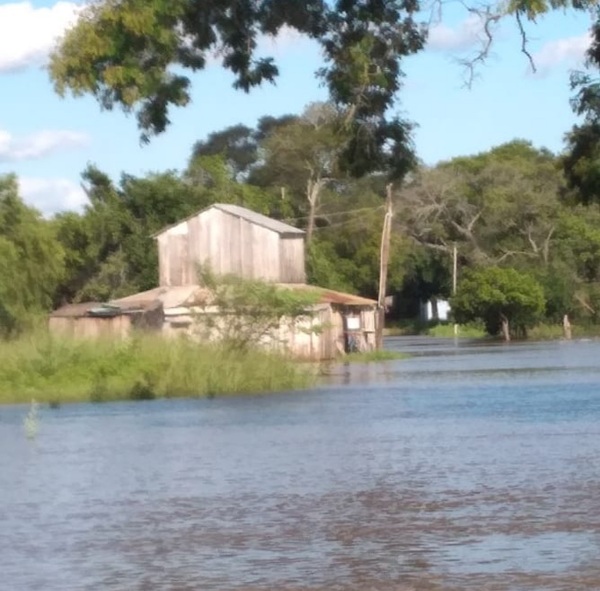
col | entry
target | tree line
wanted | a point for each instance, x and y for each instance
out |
(525, 227)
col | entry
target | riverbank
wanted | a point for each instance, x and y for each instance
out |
(541, 332)
(58, 371)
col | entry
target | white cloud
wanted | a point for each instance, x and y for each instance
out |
(39, 144)
(27, 34)
(570, 50)
(287, 38)
(51, 195)
(444, 38)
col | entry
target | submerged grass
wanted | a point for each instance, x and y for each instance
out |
(446, 330)
(435, 329)
(55, 371)
(373, 356)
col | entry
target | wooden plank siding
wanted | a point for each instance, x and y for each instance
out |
(230, 244)
(91, 328)
(291, 259)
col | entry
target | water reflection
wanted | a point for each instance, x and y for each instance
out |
(465, 467)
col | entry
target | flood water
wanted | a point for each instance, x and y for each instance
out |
(466, 467)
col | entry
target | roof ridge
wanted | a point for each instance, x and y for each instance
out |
(250, 215)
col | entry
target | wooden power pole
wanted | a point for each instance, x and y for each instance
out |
(454, 279)
(384, 259)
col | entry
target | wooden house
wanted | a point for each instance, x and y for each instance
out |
(100, 320)
(238, 241)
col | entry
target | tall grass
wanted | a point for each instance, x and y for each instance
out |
(56, 370)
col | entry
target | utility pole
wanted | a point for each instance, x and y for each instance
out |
(386, 235)
(454, 279)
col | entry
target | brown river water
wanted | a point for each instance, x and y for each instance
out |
(469, 466)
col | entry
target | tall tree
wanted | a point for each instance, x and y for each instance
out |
(498, 206)
(31, 261)
(109, 247)
(238, 145)
(303, 156)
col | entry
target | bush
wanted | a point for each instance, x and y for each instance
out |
(498, 296)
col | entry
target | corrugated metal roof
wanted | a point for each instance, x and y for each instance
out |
(247, 214)
(170, 297)
(258, 219)
(330, 296)
(74, 310)
(195, 295)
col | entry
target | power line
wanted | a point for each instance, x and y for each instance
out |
(335, 213)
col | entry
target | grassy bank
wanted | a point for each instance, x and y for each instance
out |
(545, 332)
(435, 329)
(56, 371)
(541, 332)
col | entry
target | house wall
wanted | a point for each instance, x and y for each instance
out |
(90, 327)
(231, 245)
(291, 259)
(317, 337)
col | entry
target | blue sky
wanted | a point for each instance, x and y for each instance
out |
(47, 141)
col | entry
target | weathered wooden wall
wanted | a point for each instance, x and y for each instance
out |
(230, 244)
(88, 327)
(320, 337)
(292, 260)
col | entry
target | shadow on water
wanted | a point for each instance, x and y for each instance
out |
(468, 466)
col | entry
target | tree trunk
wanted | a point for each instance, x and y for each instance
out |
(435, 313)
(505, 328)
(313, 189)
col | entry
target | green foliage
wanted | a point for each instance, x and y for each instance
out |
(241, 313)
(54, 370)
(239, 145)
(494, 294)
(509, 207)
(498, 206)
(581, 161)
(31, 261)
(134, 54)
(326, 268)
(109, 248)
(472, 330)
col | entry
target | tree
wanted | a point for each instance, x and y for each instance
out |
(243, 313)
(505, 300)
(303, 156)
(496, 206)
(581, 161)
(427, 277)
(109, 247)
(132, 54)
(238, 145)
(31, 261)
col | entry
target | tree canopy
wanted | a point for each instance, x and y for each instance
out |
(138, 55)
(133, 54)
(517, 220)
(31, 261)
(503, 299)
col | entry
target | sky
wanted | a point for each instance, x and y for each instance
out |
(47, 141)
